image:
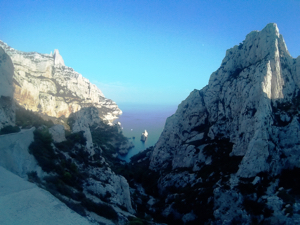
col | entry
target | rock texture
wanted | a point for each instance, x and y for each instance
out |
(44, 84)
(73, 167)
(14, 155)
(113, 185)
(58, 133)
(243, 124)
(7, 110)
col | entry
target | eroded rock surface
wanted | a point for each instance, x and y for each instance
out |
(7, 110)
(243, 124)
(44, 84)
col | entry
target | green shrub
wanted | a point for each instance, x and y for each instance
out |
(290, 179)
(33, 177)
(9, 129)
(286, 197)
(27, 118)
(257, 208)
(246, 188)
(136, 221)
(42, 150)
(101, 209)
(76, 207)
(72, 140)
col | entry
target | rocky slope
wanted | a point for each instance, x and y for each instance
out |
(44, 84)
(221, 156)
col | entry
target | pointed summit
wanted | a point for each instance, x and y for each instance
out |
(239, 130)
(58, 60)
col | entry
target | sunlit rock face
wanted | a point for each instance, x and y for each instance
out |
(239, 103)
(7, 111)
(144, 136)
(44, 84)
(247, 114)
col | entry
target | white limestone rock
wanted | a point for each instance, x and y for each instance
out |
(250, 107)
(44, 84)
(58, 60)
(82, 120)
(238, 104)
(7, 110)
(144, 136)
(6, 74)
(115, 186)
(58, 133)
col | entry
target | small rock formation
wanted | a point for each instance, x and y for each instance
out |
(116, 185)
(58, 133)
(58, 60)
(144, 136)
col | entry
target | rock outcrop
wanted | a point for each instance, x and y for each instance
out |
(242, 127)
(7, 110)
(58, 133)
(144, 136)
(44, 84)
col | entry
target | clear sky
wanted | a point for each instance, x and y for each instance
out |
(154, 51)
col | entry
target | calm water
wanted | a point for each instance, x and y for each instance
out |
(137, 118)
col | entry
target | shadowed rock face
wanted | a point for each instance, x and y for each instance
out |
(248, 114)
(44, 84)
(7, 113)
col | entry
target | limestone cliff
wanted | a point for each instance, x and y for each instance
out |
(70, 165)
(44, 84)
(242, 127)
(7, 113)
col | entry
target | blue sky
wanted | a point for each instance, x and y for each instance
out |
(144, 51)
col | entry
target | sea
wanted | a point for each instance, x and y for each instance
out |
(137, 118)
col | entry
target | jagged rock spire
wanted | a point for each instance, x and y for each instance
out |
(243, 125)
(58, 60)
(254, 77)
